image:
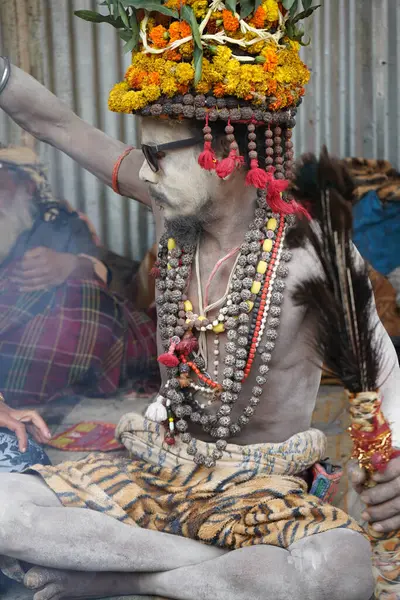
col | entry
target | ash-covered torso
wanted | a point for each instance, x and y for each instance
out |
(288, 386)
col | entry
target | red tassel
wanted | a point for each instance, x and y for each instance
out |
(208, 159)
(226, 166)
(275, 201)
(256, 177)
(169, 359)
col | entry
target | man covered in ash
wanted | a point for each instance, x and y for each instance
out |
(214, 501)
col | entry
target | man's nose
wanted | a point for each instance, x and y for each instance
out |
(147, 175)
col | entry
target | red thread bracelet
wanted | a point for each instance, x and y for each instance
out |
(116, 169)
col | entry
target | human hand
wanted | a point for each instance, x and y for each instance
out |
(42, 268)
(382, 501)
(23, 421)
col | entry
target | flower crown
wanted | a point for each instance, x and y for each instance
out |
(215, 59)
(246, 51)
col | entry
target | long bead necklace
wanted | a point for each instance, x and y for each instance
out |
(251, 311)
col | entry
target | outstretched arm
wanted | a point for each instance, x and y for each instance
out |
(48, 119)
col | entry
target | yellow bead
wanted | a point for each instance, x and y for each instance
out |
(201, 318)
(188, 306)
(267, 246)
(272, 224)
(250, 304)
(171, 244)
(169, 267)
(256, 287)
(220, 328)
(262, 267)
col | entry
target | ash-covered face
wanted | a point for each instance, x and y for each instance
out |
(181, 187)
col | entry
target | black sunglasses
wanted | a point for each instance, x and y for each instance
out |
(154, 153)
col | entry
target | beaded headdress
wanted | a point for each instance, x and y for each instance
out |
(212, 60)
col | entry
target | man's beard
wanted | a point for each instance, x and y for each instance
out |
(18, 218)
(186, 229)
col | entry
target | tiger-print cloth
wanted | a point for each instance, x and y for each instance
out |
(251, 497)
(374, 175)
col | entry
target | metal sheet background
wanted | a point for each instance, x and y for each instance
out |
(351, 103)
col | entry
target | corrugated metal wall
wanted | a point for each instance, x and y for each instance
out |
(351, 103)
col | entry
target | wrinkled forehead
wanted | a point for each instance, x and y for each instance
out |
(158, 131)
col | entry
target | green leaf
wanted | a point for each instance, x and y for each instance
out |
(198, 64)
(125, 35)
(189, 16)
(129, 46)
(123, 15)
(150, 6)
(288, 4)
(231, 5)
(247, 7)
(135, 28)
(258, 4)
(294, 8)
(305, 14)
(93, 17)
(306, 4)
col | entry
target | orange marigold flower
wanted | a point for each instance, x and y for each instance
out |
(259, 18)
(158, 37)
(154, 78)
(135, 78)
(183, 89)
(231, 23)
(173, 55)
(179, 30)
(271, 61)
(219, 90)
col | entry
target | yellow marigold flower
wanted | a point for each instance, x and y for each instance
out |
(152, 93)
(169, 86)
(200, 8)
(271, 8)
(184, 73)
(187, 50)
(203, 87)
(175, 4)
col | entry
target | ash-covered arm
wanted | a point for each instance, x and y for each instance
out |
(50, 120)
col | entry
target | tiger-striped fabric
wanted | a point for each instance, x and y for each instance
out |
(374, 175)
(252, 496)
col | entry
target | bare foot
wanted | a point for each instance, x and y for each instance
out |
(52, 584)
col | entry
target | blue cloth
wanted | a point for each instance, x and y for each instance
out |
(12, 460)
(377, 232)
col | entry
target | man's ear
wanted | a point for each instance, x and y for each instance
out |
(221, 146)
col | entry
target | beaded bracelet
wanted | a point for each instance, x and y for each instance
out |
(6, 73)
(115, 185)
